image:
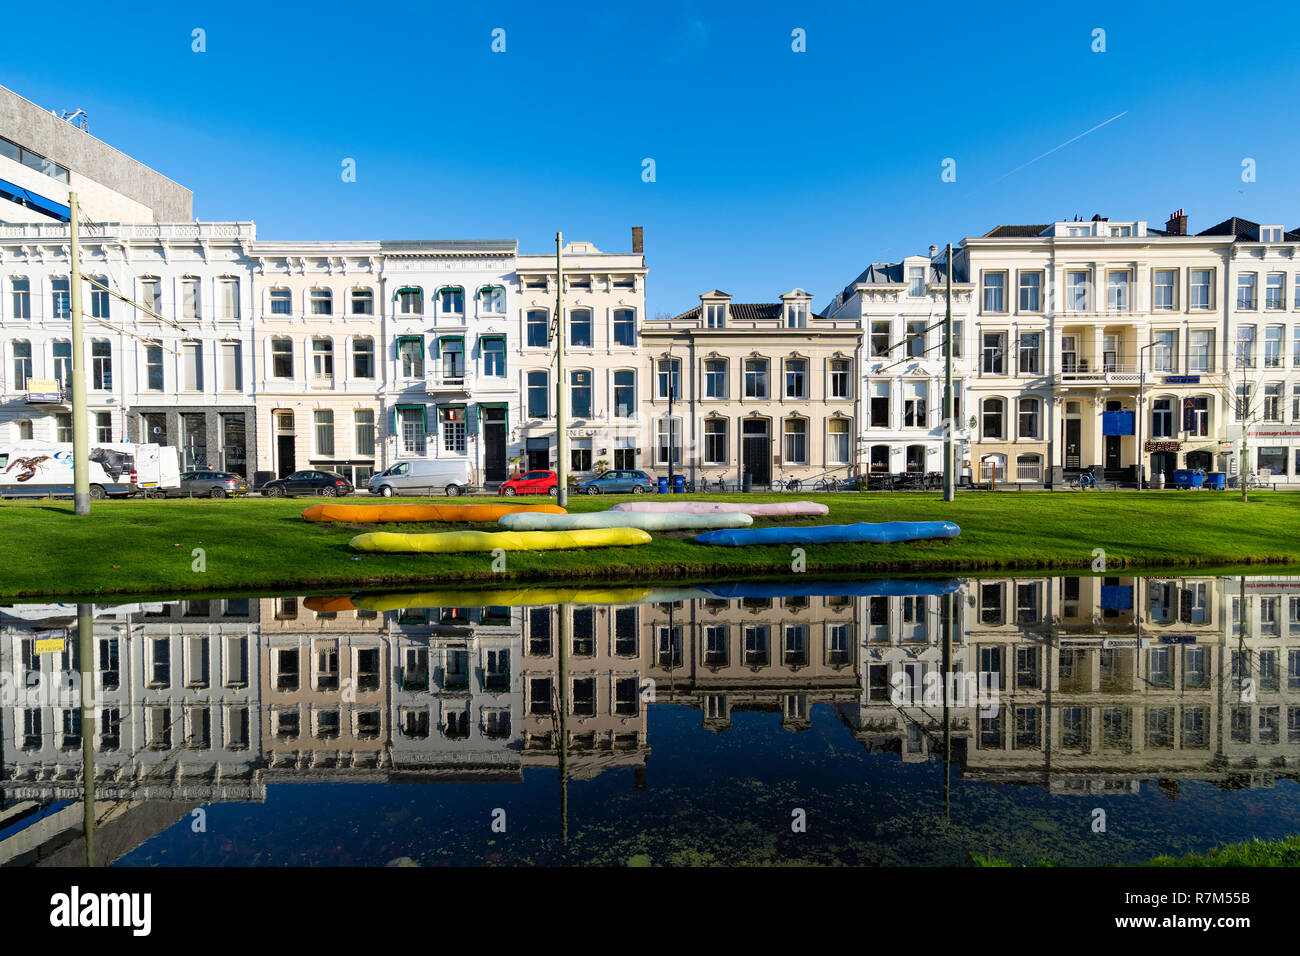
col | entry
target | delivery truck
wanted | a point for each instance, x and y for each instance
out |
(35, 469)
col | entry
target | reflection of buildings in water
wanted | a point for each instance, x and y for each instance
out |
(779, 655)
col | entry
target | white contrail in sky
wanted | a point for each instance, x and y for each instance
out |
(1061, 146)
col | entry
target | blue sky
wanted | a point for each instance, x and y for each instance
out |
(774, 169)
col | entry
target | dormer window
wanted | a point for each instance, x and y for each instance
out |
(916, 281)
(1121, 231)
(1270, 233)
(715, 316)
(796, 315)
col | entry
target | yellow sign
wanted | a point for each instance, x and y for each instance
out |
(50, 645)
(43, 390)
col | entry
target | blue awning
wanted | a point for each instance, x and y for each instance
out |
(34, 201)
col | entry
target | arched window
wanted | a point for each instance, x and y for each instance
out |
(322, 302)
(410, 300)
(281, 302)
(492, 299)
(624, 393)
(880, 459)
(1029, 468)
(1029, 418)
(1162, 417)
(363, 301)
(916, 459)
(22, 363)
(451, 300)
(993, 415)
(580, 328)
(539, 327)
(282, 357)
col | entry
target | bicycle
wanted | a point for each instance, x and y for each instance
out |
(827, 484)
(1083, 481)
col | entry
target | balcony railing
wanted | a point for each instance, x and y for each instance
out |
(448, 380)
(1108, 373)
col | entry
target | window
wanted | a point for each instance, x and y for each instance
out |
(1246, 346)
(62, 427)
(995, 346)
(1273, 402)
(1243, 400)
(191, 298)
(492, 299)
(322, 358)
(916, 339)
(995, 292)
(666, 380)
(1164, 350)
(412, 429)
(227, 298)
(324, 419)
(839, 378)
(363, 422)
(1076, 291)
(914, 410)
(624, 393)
(625, 327)
(1246, 290)
(538, 392)
(715, 378)
(1201, 296)
(715, 316)
(363, 357)
(1031, 351)
(880, 405)
(1163, 284)
(538, 328)
(99, 307)
(452, 423)
(232, 366)
(1271, 460)
(1162, 418)
(1275, 291)
(410, 356)
(322, 302)
(580, 393)
(21, 290)
(61, 298)
(63, 362)
(103, 426)
(1295, 407)
(451, 300)
(796, 378)
(282, 358)
(192, 366)
(916, 281)
(796, 441)
(837, 441)
(1031, 292)
(1029, 418)
(23, 363)
(494, 356)
(410, 301)
(580, 328)
(668, 434)
(1273, 346)
(993, 418)
(755, 378)
(580, 454)
(363, 302)
(1200, 357)
(453, 359)
(1196, 414)
(715, 441)
(281, 302)
(1117, 299)
(796, 315)
(880, 334)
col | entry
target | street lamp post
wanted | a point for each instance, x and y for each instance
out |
(1142, 379)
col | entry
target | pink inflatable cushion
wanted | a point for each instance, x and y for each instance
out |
(779, 509)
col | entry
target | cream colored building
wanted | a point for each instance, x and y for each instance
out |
(766, 390)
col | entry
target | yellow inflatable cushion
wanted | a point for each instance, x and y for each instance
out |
(453, 542)
(383, 514)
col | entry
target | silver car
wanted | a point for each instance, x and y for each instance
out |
(209, 484)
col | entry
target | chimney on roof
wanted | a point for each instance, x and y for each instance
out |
(934, 251)
(1177, 224)
(638, 241)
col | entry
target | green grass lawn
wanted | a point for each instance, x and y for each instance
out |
(145, 547)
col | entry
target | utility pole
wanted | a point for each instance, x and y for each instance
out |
(561, 425)
(80, 423)
(86, 651)
(562, 745)
(949, 476)
(672, 389)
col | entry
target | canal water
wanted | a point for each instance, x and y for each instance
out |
(1078, 720)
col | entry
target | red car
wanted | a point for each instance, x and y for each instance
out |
(532, 483)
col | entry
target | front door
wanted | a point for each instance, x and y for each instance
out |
(494, 444)
(284, 459)
(1073, 432)
(1112, 453)
(756, 451)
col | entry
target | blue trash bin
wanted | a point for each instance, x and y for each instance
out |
(1217, 480)
(679, 484)
(663, 485)
(1182, 479)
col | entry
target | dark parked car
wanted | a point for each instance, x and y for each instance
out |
(208, 484)
(308, 483)
(618, 482)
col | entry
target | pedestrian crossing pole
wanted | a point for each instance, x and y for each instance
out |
(561, 425)
(80, 420)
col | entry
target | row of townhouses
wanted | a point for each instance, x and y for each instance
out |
(1097, 684)
(1093, 344)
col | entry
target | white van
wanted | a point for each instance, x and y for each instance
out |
(34, 469)
(423, 476)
